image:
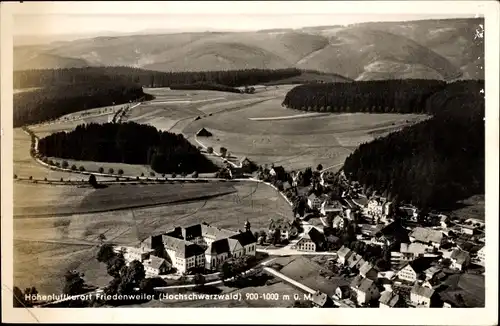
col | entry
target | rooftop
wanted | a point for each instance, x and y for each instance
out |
(422, 291)
(427, 235)
(389, 298)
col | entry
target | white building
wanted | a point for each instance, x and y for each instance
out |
(481, 256)
(364, 289)
(459, 259)
(429, 237)
(421, 296)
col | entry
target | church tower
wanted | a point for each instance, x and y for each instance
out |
(247, 226)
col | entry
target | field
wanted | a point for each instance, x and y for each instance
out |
(255, 132)
(69, 240)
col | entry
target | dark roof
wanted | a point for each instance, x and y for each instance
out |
(182, 248)
(422, 291)
(420, 264)
(244, 238)
(156, 262)
(389, 298)
(192, 231)
(204, 132)
(316, 236)
(344, 288)
(464, 290)
(280, 224)
(218, 247)
(459, 255)
(279, 170)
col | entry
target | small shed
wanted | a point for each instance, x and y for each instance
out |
(203, 133)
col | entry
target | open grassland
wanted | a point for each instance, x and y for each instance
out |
(30, 199)
(294, 143)
(69, 241)
(472, 207)
(25, 166)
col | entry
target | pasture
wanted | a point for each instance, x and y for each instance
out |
(297, 143)
(69, 241)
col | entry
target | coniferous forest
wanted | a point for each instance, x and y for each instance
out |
(431, 164)
(148, 78)
(130, 143)
(53, 101)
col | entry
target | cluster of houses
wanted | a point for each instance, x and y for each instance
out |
(196, 247)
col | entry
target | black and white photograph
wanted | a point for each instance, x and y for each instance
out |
(267, 158)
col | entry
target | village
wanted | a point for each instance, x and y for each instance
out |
(375, 252)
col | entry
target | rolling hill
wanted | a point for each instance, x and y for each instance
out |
(429, 49)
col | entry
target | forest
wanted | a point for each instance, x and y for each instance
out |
(130, 143)
(147, 78)
(54, 101)
(434, 163)
(377, 96)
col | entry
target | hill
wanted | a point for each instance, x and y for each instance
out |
(428, 49)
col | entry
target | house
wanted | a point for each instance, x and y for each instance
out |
(286, 228)
(296, 176)
(328, 206)
(312, 240)
(342, 291)
(140, 254)
(411, 251)
(422, 296)
(378, 208)
(313, 201)
(389, 299)
(444, 221)
(368, 271)
(247, 166)
(431, 272)
(414, 270)
(364, 290)
(343, 254)
(481, 255)
(431, 238)
(217, 253)
(390, 235)
(338, 222)
(184, 255)
(203, 133)
(321, 300)
(156, 266)
(459, 259)
(467, 229)
(409, 213)
(355, 261)
(464, 290)
(278, 172)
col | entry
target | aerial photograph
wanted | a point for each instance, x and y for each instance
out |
(335, 161)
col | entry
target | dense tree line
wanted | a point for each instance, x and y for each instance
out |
(130, 143)
(54, 101)
(148, 78)
(434, 163)
(378, 96)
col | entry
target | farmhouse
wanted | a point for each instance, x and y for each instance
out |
(431, 238)
(422, 296)
(156, 266)
(481, 256)
(330, 207)
(278, 172)
(321, 300)
(338, 222)
(342, 291)
(355, 261)
(389, 299)
(368, 271)
(459, 259)
(286, 228)
(431, 272)
(203, 133)
(313, 201)
(312, 240)
(343, 254)
(364, 290)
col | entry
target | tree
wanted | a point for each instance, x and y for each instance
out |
(115, 264)
(93, 181)
(195, 174)
(18, 297)
(74, 283)
(81, 168)
(223, 151)
(65, 164)
(319, 167)
(131, 276)
(276, 237)
(105, 253)
(73, 167)
(102, 238)
(29, 294)
(199, 280)
(120, 172)
(111, 171)
(210, 150)
(101, 169)
(15, 176)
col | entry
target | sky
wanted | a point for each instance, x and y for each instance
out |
(64, 24)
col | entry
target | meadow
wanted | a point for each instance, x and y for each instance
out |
(63, 242)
